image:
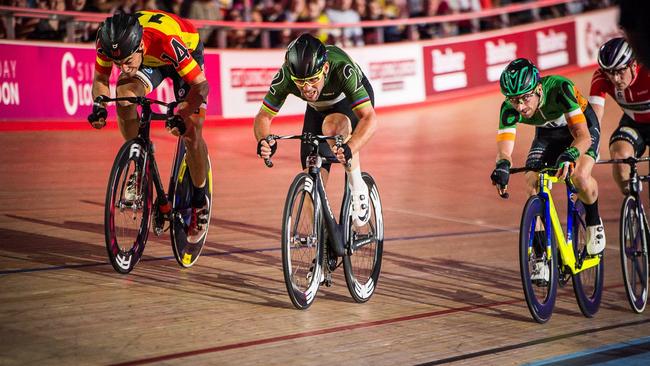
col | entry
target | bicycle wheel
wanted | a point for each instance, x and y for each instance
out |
(634, 254)
(302, 249)
(365, 246)
(127, 210)
(535, 255)
(185, 252)
(587, 284)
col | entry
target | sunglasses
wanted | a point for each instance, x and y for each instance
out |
(618, 72)
(311, 81)
(524, 98)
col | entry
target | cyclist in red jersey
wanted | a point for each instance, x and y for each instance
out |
(147, 47)
(628, 83)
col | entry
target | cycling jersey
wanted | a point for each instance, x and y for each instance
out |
(168, 40)
(344, 81)
(560, 99)
(634, 100)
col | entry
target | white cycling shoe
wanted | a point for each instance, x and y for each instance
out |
(360, 207)
(540, 272)
(595, 239)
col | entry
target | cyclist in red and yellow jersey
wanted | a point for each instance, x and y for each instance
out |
(147, 47)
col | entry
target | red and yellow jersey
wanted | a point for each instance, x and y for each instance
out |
(634, 100)
(168, 40)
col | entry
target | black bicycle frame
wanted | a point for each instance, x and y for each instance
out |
(635, 189)
(314, 162)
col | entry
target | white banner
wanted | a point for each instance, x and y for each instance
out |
(592, 30)
(395, 73)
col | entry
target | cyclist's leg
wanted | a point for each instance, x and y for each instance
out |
(536, 159)
(196, 149)
(127, 113)
(626, 141)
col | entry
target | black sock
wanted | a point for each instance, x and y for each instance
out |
(593, 218)
(198, 196)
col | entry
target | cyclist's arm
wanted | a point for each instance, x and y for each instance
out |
(196, 97)
(505, 149)
(599, 110)
(579, 130)
(100, 85)
(507, 132)
(262, 124)
(365, 128)
(599, 86)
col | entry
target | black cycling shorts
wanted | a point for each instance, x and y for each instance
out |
(637, 134)
(313, 121)
(153, 76)
(549, 143)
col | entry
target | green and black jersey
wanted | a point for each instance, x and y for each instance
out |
(343, 81)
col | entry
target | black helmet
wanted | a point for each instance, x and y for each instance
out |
(305, 56)
(615, 54)
(519, 77)
(119, 36)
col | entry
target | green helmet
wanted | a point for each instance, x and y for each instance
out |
(519, 77)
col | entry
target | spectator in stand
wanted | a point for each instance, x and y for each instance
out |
(235, 38)
(209, 10)
(83, 32)
(361, 7)
(254, 36)
(316, 14)
(374, 11)
(466, 6)
(342, 12)
(521, 17)
(23, 27)
(49, 29)
(436, 30)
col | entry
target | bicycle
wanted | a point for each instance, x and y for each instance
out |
(634, 233)
(127, 220)
(312, 240)
(543, 247)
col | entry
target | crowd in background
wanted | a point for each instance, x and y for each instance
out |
(318, 11)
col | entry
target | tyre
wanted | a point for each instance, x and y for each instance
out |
(537, 253)
(185, 252)
(127, 211)
(634, 254)
(364, 247)
(587, 284)
(302, 249)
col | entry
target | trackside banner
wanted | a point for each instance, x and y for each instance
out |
(41, 82)
(52, 82)
(478, 62)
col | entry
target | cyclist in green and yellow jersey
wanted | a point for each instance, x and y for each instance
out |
(567, 134)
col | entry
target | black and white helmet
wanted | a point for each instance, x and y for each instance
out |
(615, 54)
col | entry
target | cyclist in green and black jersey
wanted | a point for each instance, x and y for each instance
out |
(567, 134)
(340, 101)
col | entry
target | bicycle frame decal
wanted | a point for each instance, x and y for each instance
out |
(135, 151)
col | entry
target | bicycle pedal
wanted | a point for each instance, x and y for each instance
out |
(328, 280)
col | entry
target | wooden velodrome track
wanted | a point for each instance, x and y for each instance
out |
(449, 290)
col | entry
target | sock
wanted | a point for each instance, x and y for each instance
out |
(198, 196)
(355, 180)
(593, 218)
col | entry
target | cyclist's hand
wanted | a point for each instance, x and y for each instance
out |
(266, 147)
(501, 175)
(343, 153)
(97, 118)
(566, 162)
(175, 125)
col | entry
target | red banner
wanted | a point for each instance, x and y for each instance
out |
(479, 62)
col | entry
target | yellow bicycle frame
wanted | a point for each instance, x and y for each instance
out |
(565, 246)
